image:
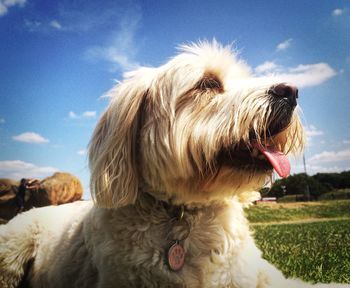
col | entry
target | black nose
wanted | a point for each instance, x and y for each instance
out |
(285, 91)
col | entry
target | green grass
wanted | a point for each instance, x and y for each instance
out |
(316, 252)
(336, 194)
(326, 209)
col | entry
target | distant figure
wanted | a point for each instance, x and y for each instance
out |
(25, 184)
(21, 194)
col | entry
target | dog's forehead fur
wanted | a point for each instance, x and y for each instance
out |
(165, 126)
(195, 61)
(213, 58)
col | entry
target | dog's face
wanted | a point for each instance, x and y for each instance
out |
(196, 129)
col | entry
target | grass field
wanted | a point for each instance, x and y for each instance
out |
(316, 251)
(275, 212)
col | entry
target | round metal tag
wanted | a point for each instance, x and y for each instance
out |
(176, 257)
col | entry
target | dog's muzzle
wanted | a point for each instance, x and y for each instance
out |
(283, 99)
(285, 91)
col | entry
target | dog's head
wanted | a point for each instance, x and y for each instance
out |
(196, 129)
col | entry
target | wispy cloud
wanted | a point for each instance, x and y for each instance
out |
(312, 169)
(311, 132)
(337, 12)
(121, 50)
(346, 141)
(55, 24)
(82, 152)
(5, 5)
(32, 25)
(17, 169)
(284, 45)
(2, 121)
(72, 115)
(42, 26)
(266, 67)
(84, 115)
(89, 114)
(303, 75)
(87, 16)
(30, 137)
(331, 156)
(309, 74)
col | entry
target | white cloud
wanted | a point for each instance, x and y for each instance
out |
(89, 114)
(318, 167)
(30, 137)
(312, 131)
(82, 152)
(6, 4)
(3, 9)
(72, 115)
(331, 156)
(121, 50)
(284, 45)
(309, 75)
(346, 141)
(17, 169)
(55, 24)
(32, 25)
(2, 120)
(265, 67)
(313, 169)
(338, 12)
(42, 26)
(84, 115)
(303, 75)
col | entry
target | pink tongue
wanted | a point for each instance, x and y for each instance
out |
(278, 160)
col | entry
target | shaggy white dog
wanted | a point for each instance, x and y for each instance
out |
(179, 151)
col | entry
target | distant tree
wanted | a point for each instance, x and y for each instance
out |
(264, 191)
(345, 179)
(276, 189)
(296, 184)
(332, 180)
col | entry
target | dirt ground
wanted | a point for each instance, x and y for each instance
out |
(291, 205)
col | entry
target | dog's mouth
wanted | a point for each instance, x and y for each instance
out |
(257, 155)
(277, 159)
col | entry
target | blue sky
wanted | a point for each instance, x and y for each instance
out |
(59, 57)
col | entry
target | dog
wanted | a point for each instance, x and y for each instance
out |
(180, 150)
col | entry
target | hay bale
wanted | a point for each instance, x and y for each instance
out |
(8, 189)
(8, 203)
(62, 188)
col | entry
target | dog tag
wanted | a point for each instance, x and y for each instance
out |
(176, 257)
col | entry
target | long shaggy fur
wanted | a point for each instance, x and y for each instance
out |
(174, 138)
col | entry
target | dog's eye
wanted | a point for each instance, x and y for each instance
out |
(210, 82)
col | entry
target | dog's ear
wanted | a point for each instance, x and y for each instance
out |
(112, 150)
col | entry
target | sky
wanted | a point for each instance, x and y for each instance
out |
(59, 58)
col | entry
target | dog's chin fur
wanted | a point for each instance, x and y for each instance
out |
(222, 178)
(175, 136)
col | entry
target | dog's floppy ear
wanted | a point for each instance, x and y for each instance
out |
(112, 151)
